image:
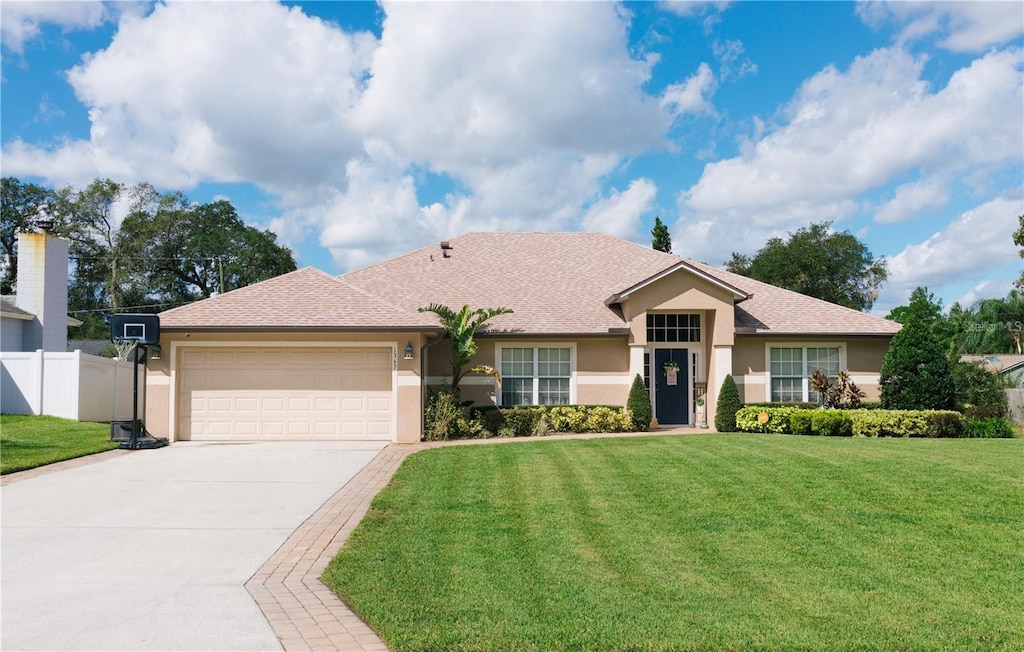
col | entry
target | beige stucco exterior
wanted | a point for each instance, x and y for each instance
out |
(860, 356)
(602, 366)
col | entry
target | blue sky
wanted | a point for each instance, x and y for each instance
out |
(358, 131)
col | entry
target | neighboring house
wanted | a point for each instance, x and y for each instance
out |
(37, 316)
(1008, 365)
(307, 355)
(38, 375)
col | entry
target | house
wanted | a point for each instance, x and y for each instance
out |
(38, 375)
(1009, 366)
(308, 355)
(36, 318)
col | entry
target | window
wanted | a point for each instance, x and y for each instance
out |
(536, 375)
(790, 366)
(673, 328)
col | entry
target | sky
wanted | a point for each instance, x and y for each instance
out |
(358, 131)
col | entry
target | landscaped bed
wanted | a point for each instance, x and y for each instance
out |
(696, 542)
(30, 441)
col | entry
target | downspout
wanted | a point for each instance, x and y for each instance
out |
(423, 381)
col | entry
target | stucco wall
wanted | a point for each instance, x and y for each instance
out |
(601, 367)
(863, 360)
(162, 393)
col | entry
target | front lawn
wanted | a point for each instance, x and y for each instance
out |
(29, 441)
(696, 542)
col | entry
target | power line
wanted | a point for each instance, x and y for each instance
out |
(148, 305)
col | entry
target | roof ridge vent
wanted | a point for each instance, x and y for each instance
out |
(445, 248)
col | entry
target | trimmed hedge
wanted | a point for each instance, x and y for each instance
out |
(539, 420)
(859, 423)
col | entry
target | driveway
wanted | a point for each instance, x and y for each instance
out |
(150, 550)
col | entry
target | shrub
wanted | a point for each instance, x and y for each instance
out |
(907, 423)
(831, 423)
(840, 393)
(800, 422)
(979, 392)
(445, 419)
(727, 406)
(992, 427)
(778, 419)
(803, 405)
(539, 420)
(915, 372)
(639, 405)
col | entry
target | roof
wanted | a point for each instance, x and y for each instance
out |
(306, 298)
(771, 310)
(561, 282)
(555, 283)
(9, 308)
(1000, 363)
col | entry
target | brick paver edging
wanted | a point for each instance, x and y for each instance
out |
(303, 612)
(85, 460)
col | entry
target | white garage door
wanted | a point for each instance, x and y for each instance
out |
(249, 393)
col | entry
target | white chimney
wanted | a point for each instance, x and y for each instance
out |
(43, 290)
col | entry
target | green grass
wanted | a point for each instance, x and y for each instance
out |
(29, 441)
(696, 542)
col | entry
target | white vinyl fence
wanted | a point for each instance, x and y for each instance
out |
(69, 385)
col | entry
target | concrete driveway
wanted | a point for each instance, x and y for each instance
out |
(150, 550)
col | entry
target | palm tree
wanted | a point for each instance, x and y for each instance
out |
(460, 327)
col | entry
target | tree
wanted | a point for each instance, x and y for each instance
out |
(20, 206)
(992, 326)
(727, 406)
(460, 327)
(661, 239)
(1018, 239)
(916, 370)
(924, 306)
(638, 404)
(183, 252)
(815, 261)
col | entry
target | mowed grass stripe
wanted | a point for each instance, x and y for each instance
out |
(713, 541)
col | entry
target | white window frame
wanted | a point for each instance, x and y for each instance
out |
(498, 346)
(805, 386)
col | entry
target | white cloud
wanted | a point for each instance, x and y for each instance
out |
(694, 7)
(523, 111)
(183, 95)
(912, 198)
(985, 290)
(973, 245)
(20, 21)
(619, 214)
(732, 63)
(847, 133)
(959, 26)
(692, 95)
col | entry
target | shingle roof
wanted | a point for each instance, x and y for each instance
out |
(9, 307)
(772, 310)
(556, 283)
(307, 298)
(997, 362)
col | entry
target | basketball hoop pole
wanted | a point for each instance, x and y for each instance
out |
(134, 442)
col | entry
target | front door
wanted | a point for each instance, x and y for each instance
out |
(670, 389)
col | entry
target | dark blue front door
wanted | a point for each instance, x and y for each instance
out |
(670, 400)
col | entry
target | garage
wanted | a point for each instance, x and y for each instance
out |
(246, 393)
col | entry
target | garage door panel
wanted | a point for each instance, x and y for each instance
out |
(278, 393)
